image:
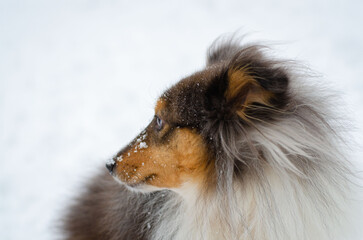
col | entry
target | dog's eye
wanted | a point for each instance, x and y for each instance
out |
(159, 123)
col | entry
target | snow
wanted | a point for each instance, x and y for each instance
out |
(110, 161)
(143, 145)
(78, 80)
(119, 158)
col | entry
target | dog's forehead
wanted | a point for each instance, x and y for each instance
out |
(184, 103)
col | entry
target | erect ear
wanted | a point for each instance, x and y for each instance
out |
(255, 88)
(243, 92)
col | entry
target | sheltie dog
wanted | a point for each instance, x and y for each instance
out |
(243, 149)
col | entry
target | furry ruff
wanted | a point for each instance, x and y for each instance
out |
(243, 149)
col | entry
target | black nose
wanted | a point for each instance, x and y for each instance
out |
(110, 166)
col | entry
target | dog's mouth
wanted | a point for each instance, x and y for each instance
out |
(149, 178)
(139, 186)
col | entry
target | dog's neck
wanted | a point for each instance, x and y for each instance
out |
(192, 215)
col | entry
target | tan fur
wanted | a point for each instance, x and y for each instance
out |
(166, 165)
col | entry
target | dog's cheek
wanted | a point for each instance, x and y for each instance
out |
(162, 168)
(186, 159)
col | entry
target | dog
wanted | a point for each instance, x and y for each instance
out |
(246, 148)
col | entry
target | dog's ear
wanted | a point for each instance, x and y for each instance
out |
(250, 87)
(244, 91)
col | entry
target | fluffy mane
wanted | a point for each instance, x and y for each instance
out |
(280, 174)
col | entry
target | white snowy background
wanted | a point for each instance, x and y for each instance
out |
(78, 80)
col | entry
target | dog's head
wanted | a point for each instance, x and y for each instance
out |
(182, 143)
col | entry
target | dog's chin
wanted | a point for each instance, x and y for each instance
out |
(141, 187)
